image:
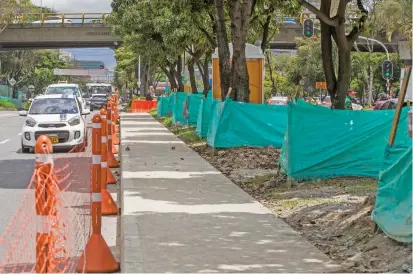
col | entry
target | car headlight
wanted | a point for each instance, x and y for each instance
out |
(30, 122)
(74, 121)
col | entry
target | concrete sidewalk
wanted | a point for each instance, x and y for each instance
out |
(179, 214)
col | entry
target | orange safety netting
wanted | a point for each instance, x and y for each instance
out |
(52, 225)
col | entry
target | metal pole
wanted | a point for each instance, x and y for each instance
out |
(139, 71)
(378, 42)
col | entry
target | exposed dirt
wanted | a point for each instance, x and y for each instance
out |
(334, 215)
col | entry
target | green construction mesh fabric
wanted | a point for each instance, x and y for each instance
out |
(178, 108)
(237, 124)
(325, 143)
(171, 104)
(393, 209)
(194, 102)
(216, 109)
(163, 103)
(204, 116)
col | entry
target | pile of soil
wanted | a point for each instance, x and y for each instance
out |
(334, 215)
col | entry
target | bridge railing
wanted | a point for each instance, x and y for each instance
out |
(61, 18)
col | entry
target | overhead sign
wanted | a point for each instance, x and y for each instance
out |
(322, 85)
(81, 72)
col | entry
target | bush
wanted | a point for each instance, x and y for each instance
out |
(26, 105)
(167, 122)
(7, 105)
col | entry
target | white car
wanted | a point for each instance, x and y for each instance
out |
(58, 116)
(72, 89)
(54, 20)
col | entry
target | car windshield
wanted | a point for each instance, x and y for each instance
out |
(100, 89)
(54, 106)
(61, 90)
(99, 97)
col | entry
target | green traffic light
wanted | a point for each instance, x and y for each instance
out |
(308, 33)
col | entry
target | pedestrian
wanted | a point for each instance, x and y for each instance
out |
(349, 99)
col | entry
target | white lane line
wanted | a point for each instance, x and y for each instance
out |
(5, 141)
(19, 134)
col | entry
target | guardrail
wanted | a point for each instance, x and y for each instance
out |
(61, 18)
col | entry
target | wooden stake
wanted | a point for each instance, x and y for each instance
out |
(399, 106)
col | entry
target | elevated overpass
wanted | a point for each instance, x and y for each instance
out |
(89, 30)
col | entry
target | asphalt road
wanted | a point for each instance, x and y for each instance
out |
(16, 170)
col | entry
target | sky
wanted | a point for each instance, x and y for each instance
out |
(83, 6)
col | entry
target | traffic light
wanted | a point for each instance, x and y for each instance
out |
(387, 69)
(308, 28)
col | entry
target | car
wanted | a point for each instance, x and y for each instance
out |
(65, 88)
(388, 104)
(97, 101)
(59, 116)
(277, 100)
(54, 20)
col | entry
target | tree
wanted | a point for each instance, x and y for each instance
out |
(31, 68)
(9, 9)
(394, 17)
(335, 28)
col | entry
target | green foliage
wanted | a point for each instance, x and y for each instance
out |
(26, 105)
(167, 122)
(5, 105)
(394, 16)
(187, 134)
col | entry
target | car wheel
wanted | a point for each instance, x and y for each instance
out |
(25, 149)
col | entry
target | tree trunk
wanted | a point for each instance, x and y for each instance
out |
(273, 84)
(170, 74)
(223, 48)
(144, 85)
(204, 69)
(192, 79)
(240, 16)
(344, 72)
(370, 85)
(327, 51)
(265, 32)
(178, 74)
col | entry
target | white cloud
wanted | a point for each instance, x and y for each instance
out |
(76, 5)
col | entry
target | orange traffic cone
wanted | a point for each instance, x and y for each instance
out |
(114, 149)
(116, 128)
(109, 206)
(115, 139)
(97, 257)
(110, 178)
(112, 162)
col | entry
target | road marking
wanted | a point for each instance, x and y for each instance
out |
(5, 141)
(19, 134)
(5, 114)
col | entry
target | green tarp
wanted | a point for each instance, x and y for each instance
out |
(325, 143)
(393, 209)
(163, 103)
(171, 104)
(237, 124)
(204, 116)
(194, 104)
(178, 108)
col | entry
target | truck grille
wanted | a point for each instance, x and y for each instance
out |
(52, 125)
(63, 135)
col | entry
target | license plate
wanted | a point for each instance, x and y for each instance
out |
(54, 139)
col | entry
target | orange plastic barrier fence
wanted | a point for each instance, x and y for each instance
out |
(57, 227)
(52, 223)
(143, 105)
